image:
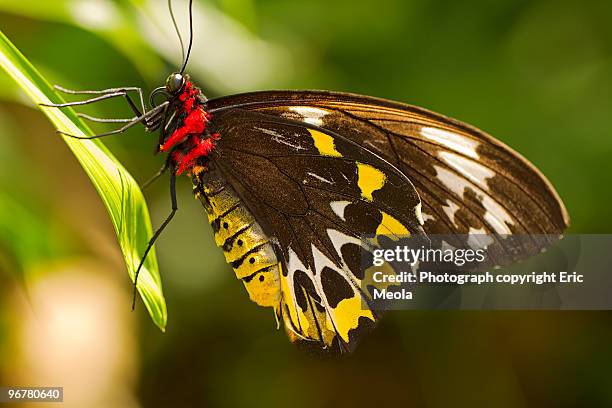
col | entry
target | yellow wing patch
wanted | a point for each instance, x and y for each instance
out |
(324, 143)
(369, 180)
(304, 325)
(287, 296)
(383, 281)
(390, 226)
(346, 316)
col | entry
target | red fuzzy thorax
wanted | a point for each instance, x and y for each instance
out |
(191, 140)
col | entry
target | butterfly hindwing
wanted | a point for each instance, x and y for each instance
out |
(315, 193)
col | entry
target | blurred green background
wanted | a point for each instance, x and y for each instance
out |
(537, 74)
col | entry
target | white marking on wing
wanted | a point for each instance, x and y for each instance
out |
(446, 246)
(338, 208)
(427, 217)
(311, 115)
(419, 214)
(453, 141)
(476, 172)
(294, 264)
(277, 137)
(316, 176)
(270, 132)
(497, 216)
(339, 239)
(320, 260)
(453, 182)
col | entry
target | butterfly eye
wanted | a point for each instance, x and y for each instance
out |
(175, 83)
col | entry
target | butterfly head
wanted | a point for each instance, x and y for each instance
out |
(175, 83)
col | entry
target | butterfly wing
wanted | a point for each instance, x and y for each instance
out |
(315, 193)
(320, 169)
(468, 181)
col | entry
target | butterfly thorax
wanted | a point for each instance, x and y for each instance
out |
(186, 137)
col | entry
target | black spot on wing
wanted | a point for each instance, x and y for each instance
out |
(364, 215)
(335, 287)
(357, 218)
(352, 255)
(304, 288)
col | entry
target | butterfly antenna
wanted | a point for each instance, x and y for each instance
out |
(178, 32)
(190, 35)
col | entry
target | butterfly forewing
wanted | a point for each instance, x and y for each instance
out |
(468, 181)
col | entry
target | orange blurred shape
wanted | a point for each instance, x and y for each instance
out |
(75, 332)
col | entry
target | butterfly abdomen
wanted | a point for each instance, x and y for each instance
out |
(245, 246)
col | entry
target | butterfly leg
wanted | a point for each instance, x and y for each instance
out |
(104, 92)
(157, 233)
(132, 122)
(103, 120)
(86, 101)
(157, 175)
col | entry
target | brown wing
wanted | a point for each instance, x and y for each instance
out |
(468, 181)
(320, 169)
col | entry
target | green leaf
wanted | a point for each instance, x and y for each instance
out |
(119, 192)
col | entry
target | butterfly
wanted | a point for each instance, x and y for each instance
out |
(291, 181)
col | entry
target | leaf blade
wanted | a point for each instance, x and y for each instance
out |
(120, 193)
